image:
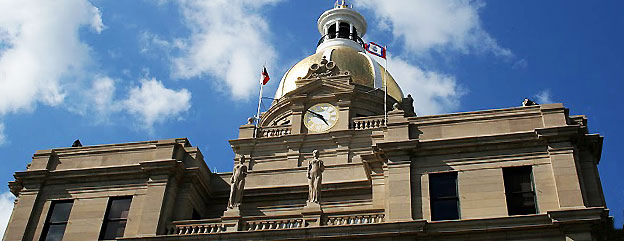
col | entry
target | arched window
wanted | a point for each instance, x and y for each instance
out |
(331, 31)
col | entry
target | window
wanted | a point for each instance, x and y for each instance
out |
(519, 190)
(116, 217)
(344, 30)
(56, 222)
(443, 196)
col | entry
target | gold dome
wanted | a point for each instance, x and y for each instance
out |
(364, 70)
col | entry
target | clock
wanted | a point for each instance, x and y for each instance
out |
(320, 117)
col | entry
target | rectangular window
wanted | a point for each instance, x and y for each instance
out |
(443, 196)
(519, 190)
(56, 222)
(115, 218)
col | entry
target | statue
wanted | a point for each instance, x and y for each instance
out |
(315, 178)
(237, 183)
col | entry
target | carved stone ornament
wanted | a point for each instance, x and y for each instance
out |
(323, 69)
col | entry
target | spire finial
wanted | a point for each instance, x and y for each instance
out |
(343, 4)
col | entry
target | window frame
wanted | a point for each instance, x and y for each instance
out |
(520, 193)
(435, 198)
(48, 221)
(107, 220)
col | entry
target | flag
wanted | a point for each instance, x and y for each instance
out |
(265, 76)
(375, 49)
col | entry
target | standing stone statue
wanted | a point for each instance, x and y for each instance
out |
(237, 183)
(315, 178)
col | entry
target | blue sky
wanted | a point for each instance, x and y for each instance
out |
(122, 71)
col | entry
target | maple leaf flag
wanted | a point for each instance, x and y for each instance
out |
(375, 49)
(265, 76)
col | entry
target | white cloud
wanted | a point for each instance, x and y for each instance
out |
(40, 50)
(2, 135)
(543, 97)
(426, 25)
(100, 99)
(153, 103)
(433, 93)
(6, 208)
(230, 42)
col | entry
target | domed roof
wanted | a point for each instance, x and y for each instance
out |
(364, 70)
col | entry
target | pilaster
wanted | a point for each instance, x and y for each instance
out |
(567, 182)
(398, 190)
(27, 209)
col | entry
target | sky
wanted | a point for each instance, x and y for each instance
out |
(123, 71)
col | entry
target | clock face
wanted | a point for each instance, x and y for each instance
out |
(320, 117)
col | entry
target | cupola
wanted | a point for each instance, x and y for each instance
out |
(341, 26)
(342, 29)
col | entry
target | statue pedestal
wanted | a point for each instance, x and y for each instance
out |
(231, 219)
(312, 213)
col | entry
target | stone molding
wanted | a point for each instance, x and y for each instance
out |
(541, 225)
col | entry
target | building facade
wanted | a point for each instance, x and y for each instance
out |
(520, 173)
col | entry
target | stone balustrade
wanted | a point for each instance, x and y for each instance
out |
(274, 131)
(369, 122)
(355, 219)
(251, 224)
(195, 227)
(254, 225)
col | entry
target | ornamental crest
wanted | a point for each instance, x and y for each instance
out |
(323, 69)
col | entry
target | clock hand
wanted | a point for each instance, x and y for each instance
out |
(319, 116)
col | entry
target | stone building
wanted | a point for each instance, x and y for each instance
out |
(521, 173)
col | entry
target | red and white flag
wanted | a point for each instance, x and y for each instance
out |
(265, 76)
(375, 49)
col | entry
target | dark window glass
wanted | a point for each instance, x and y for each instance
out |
(332, 31)
(344, 31)
(443, 196)
(116, 217)
(56, 222)
(519, 190)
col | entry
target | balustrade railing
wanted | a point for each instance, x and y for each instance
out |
(254, 225)
(355, 219)
(199, 228)
(274, 131)
(364, 123)
(212, 226)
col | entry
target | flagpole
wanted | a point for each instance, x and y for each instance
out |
(386, 87)
(259, 103)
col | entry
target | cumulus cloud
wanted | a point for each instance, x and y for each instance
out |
(6, 208)
(150, 101)
(426, 25)
(543, 97)
(153, 103)
(41, 51)
(433, 93)
(229, 41)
